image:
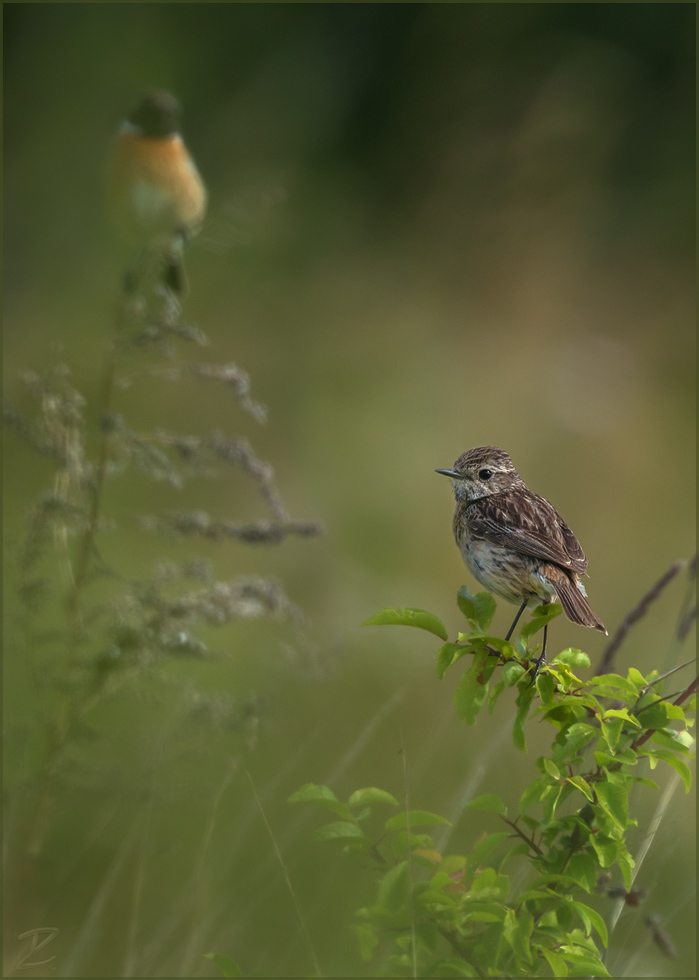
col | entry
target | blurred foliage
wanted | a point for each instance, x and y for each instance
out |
(431, 227)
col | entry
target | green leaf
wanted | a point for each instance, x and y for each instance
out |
(341, 829)
(577, 735)
(626, 864)
(582, 943)
(556, 962)
(453, 863)
(367, 939)
(583, 867)
(448, 655)
(394, 887)
(545, 879)
(564, 914)
(472, 691)
(567, 681)
(534, 894)
(606, 849)
(487, 801)
(489, 886)
(310, 793)
(582, 785)
(677, 764)
(454, 968)
(637, 679)
(590, 917)
(535, 792)
(512, 672)
(482, 848)
(584, 965)
(654, 714)
(436, 898)
(551, 768)
(546, 686)
(418, 818)
(524, 701)
(517, 930)
(680, 742)
(409, 617)
(476, 914)
(227, 966)
(478, 609)
(612, 732)
(440, 880)
(495, 693)
(371, 795)
(617, 683)
(553, 799)
(614, 800)
(403, 842)
(623, 714)
(542, 616)
(320, 796)
(572, 657)
(651, 784)
(626, 757)
(502, 646)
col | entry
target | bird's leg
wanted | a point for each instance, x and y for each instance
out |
(516, 619)
(174, 275)
(541, 660)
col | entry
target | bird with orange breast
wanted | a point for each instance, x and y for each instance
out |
(157, 198)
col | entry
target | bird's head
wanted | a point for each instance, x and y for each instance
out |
(157, 114)
(482, 472)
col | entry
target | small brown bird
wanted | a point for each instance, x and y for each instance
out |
(156, 197)
(514, 542)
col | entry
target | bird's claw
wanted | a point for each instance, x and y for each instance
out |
(538, 664)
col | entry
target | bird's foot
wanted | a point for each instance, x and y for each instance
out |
(538, 664)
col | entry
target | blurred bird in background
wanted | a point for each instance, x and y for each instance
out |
(157, 199)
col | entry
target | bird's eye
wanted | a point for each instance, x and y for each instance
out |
(485, 474)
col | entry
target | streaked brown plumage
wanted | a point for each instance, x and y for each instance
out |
(514, 542)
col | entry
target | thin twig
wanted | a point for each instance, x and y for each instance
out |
(304, 928)
(200, 523)
(686, 615)
(688, 691)
(662, 677)
(636, 613)
(101, 469)
(529, 841)
(651, 704)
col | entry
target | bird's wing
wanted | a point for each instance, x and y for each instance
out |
(529, 524)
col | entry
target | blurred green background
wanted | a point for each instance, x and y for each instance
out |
(431, 227)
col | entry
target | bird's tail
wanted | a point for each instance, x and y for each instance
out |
(575, 605)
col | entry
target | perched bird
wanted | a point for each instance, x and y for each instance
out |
(514, 542)
(157, 199)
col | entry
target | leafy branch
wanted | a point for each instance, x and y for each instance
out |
(463, 915)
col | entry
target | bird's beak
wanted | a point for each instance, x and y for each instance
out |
(453, 474)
